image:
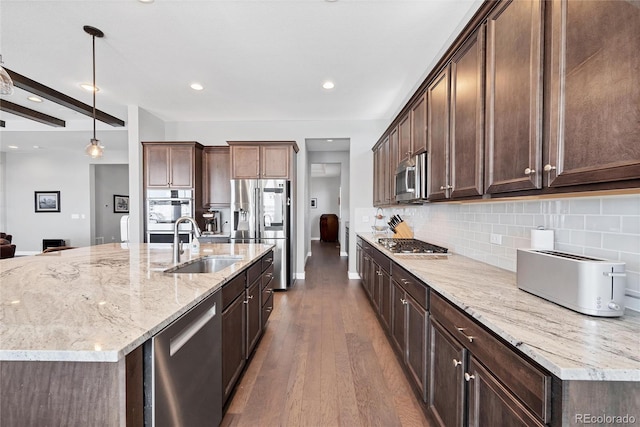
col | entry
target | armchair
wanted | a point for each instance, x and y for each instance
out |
(7, 250)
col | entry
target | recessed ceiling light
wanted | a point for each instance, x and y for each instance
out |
(34, 98)
(196, 86)
(89, 87)
(13, 147)
(331, 1)
(328, 85)
(329, 140)
(145, 1)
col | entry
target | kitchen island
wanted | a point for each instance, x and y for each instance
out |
(591, 364)
(73, 323)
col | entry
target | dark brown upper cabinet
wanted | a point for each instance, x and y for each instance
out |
(217, 174)
(438, 136)
(514, 97)
(172, 164)
(419, 125)
(404, 138)
(467, 118)
(594, 105)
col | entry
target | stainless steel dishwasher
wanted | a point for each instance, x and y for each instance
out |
(183, 369)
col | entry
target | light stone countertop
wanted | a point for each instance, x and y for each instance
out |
(99, 303)
(568, 344)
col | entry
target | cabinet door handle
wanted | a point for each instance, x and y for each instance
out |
(403, 301)
(469, 337)
(549, 168)
(456, 363)
(529, 171)
(446, 187)
(379, 272)
(468, 377)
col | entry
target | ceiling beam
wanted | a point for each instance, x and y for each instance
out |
(53, 95)
(30, 114)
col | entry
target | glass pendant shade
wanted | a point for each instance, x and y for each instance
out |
(6, 84)
(94, 149)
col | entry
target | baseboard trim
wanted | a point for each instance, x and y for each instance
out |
(315, 238)
(344, 254)
(353, 275)
(299, 276)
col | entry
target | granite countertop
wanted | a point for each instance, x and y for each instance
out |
(568, 344)
(101, 302)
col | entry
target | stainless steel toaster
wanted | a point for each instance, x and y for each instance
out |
(587, 285)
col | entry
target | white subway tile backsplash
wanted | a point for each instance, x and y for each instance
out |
(609, 224)
(604, 227)
(621, 242)
(585, 206)
(624, 205)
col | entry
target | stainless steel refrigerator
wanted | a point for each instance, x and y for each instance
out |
(260, 211)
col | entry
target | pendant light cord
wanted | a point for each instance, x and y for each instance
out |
(93, 37)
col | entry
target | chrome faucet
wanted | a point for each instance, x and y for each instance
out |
(177, 245)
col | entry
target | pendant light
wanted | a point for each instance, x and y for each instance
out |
(6, 84)
(94, 149)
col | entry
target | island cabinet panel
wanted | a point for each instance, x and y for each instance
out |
(217, 173)
(234, 334)
(37, 393)
(438, 131)
(467, 118)
(595, 92)
(514, 96)
(254, 311)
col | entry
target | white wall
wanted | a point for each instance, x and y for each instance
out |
(107, 222)
(363, 134)
(65, 171)
(326, 191)
(3, 198)
(604, 227)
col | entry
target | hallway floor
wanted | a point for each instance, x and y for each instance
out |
(324, 360)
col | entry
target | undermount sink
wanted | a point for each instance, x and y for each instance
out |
(209, 264)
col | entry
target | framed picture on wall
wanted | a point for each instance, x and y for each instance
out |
(314, 203)
(47, 201)
(120, 204)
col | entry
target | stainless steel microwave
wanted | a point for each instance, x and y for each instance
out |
(411, 180)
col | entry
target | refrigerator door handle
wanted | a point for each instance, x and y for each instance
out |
(258, 212)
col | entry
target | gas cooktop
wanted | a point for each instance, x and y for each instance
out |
(411, 246)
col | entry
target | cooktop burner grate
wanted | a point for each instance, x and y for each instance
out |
(411, 246)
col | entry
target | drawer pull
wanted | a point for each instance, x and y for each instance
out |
(461, 330)
(468, 377)
(456, 363)
(404, 281)
(379, 273)
(403, 301)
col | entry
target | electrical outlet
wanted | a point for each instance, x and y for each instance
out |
(496, 239)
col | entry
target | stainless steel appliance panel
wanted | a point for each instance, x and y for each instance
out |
(183, 374)
(411, 180)
(244, 209)
(164, 207)
(282, 270)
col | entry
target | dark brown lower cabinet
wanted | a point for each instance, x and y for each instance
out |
(397, 316)
(490, 403)
(254, 311)
(384, 307)
(234, 338)
(446, 377)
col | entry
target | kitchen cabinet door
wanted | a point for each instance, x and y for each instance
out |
(181, 167)
(595, 93)
(446, 377)
(490, 404)
(404, 138)
(417, 338)
(438, 132)
(217, 173)
(254, 310)
(169, 165)
(419, 125)
(398, 319)
(385, 299)
(467, 118)
(234, 340)
(156, 163)
(245, 162)
(274, 161)
(514, 97)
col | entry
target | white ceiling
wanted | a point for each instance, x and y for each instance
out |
(257, 59)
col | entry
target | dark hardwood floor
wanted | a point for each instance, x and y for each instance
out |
(324, 359)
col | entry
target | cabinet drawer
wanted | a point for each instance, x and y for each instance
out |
(267, 260)
(267, 308)
(232, 289)
(413, 286)
(254, 272)
(267, 278)
(529, 383)
(381, 259)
